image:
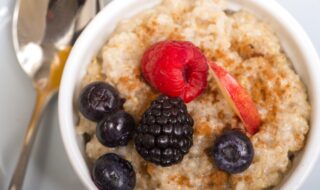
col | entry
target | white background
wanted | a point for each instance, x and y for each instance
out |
(49, 168)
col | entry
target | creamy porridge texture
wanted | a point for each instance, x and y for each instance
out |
(245, 47)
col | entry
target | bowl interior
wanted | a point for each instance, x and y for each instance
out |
(293, 39)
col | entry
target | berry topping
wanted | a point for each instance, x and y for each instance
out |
(111, 172)
(176, 68)
(233, 152)
(115, 129)
(165, 132)
(238, 98)
(98, 99)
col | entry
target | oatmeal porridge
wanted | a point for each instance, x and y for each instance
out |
(244, 46)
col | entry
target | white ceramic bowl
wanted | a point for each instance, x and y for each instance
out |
(294, 40)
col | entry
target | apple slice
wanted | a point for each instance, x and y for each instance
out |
(238, 98)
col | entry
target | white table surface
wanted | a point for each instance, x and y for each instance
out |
(49, 168)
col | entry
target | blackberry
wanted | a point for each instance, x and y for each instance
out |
(164, 134)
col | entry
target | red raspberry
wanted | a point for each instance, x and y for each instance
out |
(176, 68)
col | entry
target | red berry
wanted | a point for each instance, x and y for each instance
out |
(176, 68)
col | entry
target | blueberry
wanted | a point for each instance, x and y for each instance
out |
(111, 172)
(233, 152)
(98, 99)
(115, 129)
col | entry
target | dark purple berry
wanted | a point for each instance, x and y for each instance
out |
(115, 129)
(111, 172)
(98, 99)
(161, 138)
(233, 152)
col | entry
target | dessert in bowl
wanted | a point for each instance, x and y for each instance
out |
(238, 76)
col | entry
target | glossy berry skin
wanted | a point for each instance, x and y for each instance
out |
(233, 152)
(98, 99)
(115, 129)
(176, 69)
(111, 172)
(165, 132)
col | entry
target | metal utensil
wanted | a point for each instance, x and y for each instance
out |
(43, 32)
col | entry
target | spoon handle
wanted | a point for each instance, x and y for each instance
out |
(43, 97)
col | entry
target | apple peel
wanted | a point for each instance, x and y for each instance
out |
(238, 98)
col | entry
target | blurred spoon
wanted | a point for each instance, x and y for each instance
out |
(43, 32)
